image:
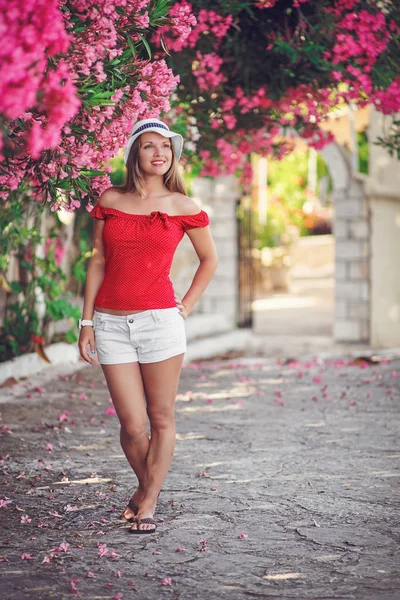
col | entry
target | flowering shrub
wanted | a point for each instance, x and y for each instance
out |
(74, 80)
(74, 77)
(253, 70)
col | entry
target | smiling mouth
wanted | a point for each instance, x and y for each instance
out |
(158, 163)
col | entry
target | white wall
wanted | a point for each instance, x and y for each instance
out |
(385, 272)
(383, 189)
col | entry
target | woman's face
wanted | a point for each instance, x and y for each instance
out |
(155, 153)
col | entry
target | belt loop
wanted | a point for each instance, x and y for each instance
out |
(155, 315)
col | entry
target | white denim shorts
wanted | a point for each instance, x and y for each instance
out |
(145, 337)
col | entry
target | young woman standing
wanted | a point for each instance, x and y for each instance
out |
(131, 315)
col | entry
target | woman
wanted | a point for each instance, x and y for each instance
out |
(138, 323)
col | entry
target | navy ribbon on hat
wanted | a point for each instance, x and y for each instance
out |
(147, 125)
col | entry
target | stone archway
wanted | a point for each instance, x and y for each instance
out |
(219, 302)
(352, 249)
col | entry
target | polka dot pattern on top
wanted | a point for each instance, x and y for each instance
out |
(139, 250)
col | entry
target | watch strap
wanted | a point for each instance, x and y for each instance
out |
(83, 322)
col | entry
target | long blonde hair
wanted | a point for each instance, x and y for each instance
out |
(134, 179)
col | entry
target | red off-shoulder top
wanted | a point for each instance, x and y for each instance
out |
(139, 250)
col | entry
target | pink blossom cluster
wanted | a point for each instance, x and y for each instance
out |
(58, 248)
(233, 153)
(208, 21)
(271, 3)
(99, 38)
(362, 36)
(182, 21)
(187, 29)
(340, 6)
(388, 101)
(84, 136)
(32, 32)
(258, 99)
(206, 69)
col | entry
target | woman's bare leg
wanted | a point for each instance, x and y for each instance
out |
(161, 381)
(126, 389)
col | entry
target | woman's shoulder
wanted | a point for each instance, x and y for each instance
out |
(184, 205)
(109, 197)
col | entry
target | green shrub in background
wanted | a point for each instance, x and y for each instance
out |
(293, 210)
(41, 279)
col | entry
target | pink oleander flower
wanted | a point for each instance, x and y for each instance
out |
(388, 101)
(207, 70)
(186, 30)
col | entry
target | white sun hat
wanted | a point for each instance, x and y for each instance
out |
(157, 126)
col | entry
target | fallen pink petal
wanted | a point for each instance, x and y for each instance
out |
(26, 519)
(166, 581)
(103, 550)
(73, 583)
(64, 416)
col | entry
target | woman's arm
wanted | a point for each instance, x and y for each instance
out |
(95, 271)
(205, 249)
(94, 279)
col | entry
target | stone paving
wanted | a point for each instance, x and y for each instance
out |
(284, 485)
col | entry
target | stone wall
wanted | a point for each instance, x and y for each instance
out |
(218, 197)
(352, 249)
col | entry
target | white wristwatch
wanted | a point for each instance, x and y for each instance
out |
(83, 322)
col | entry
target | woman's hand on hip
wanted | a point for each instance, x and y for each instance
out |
(183, 310)
(86, 338)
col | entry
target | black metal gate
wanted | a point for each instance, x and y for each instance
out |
(246, 278)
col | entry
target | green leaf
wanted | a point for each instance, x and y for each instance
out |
(71, 337)
(145, 44)
(131, 46)
(92, 173)
(26, 265)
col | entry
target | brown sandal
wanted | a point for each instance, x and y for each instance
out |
(148, 520)
(133, 507)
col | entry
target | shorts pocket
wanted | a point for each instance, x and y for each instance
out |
(167, 334)
(166, 315)
(100, 324)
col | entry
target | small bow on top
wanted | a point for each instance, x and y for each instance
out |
(162, 216)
